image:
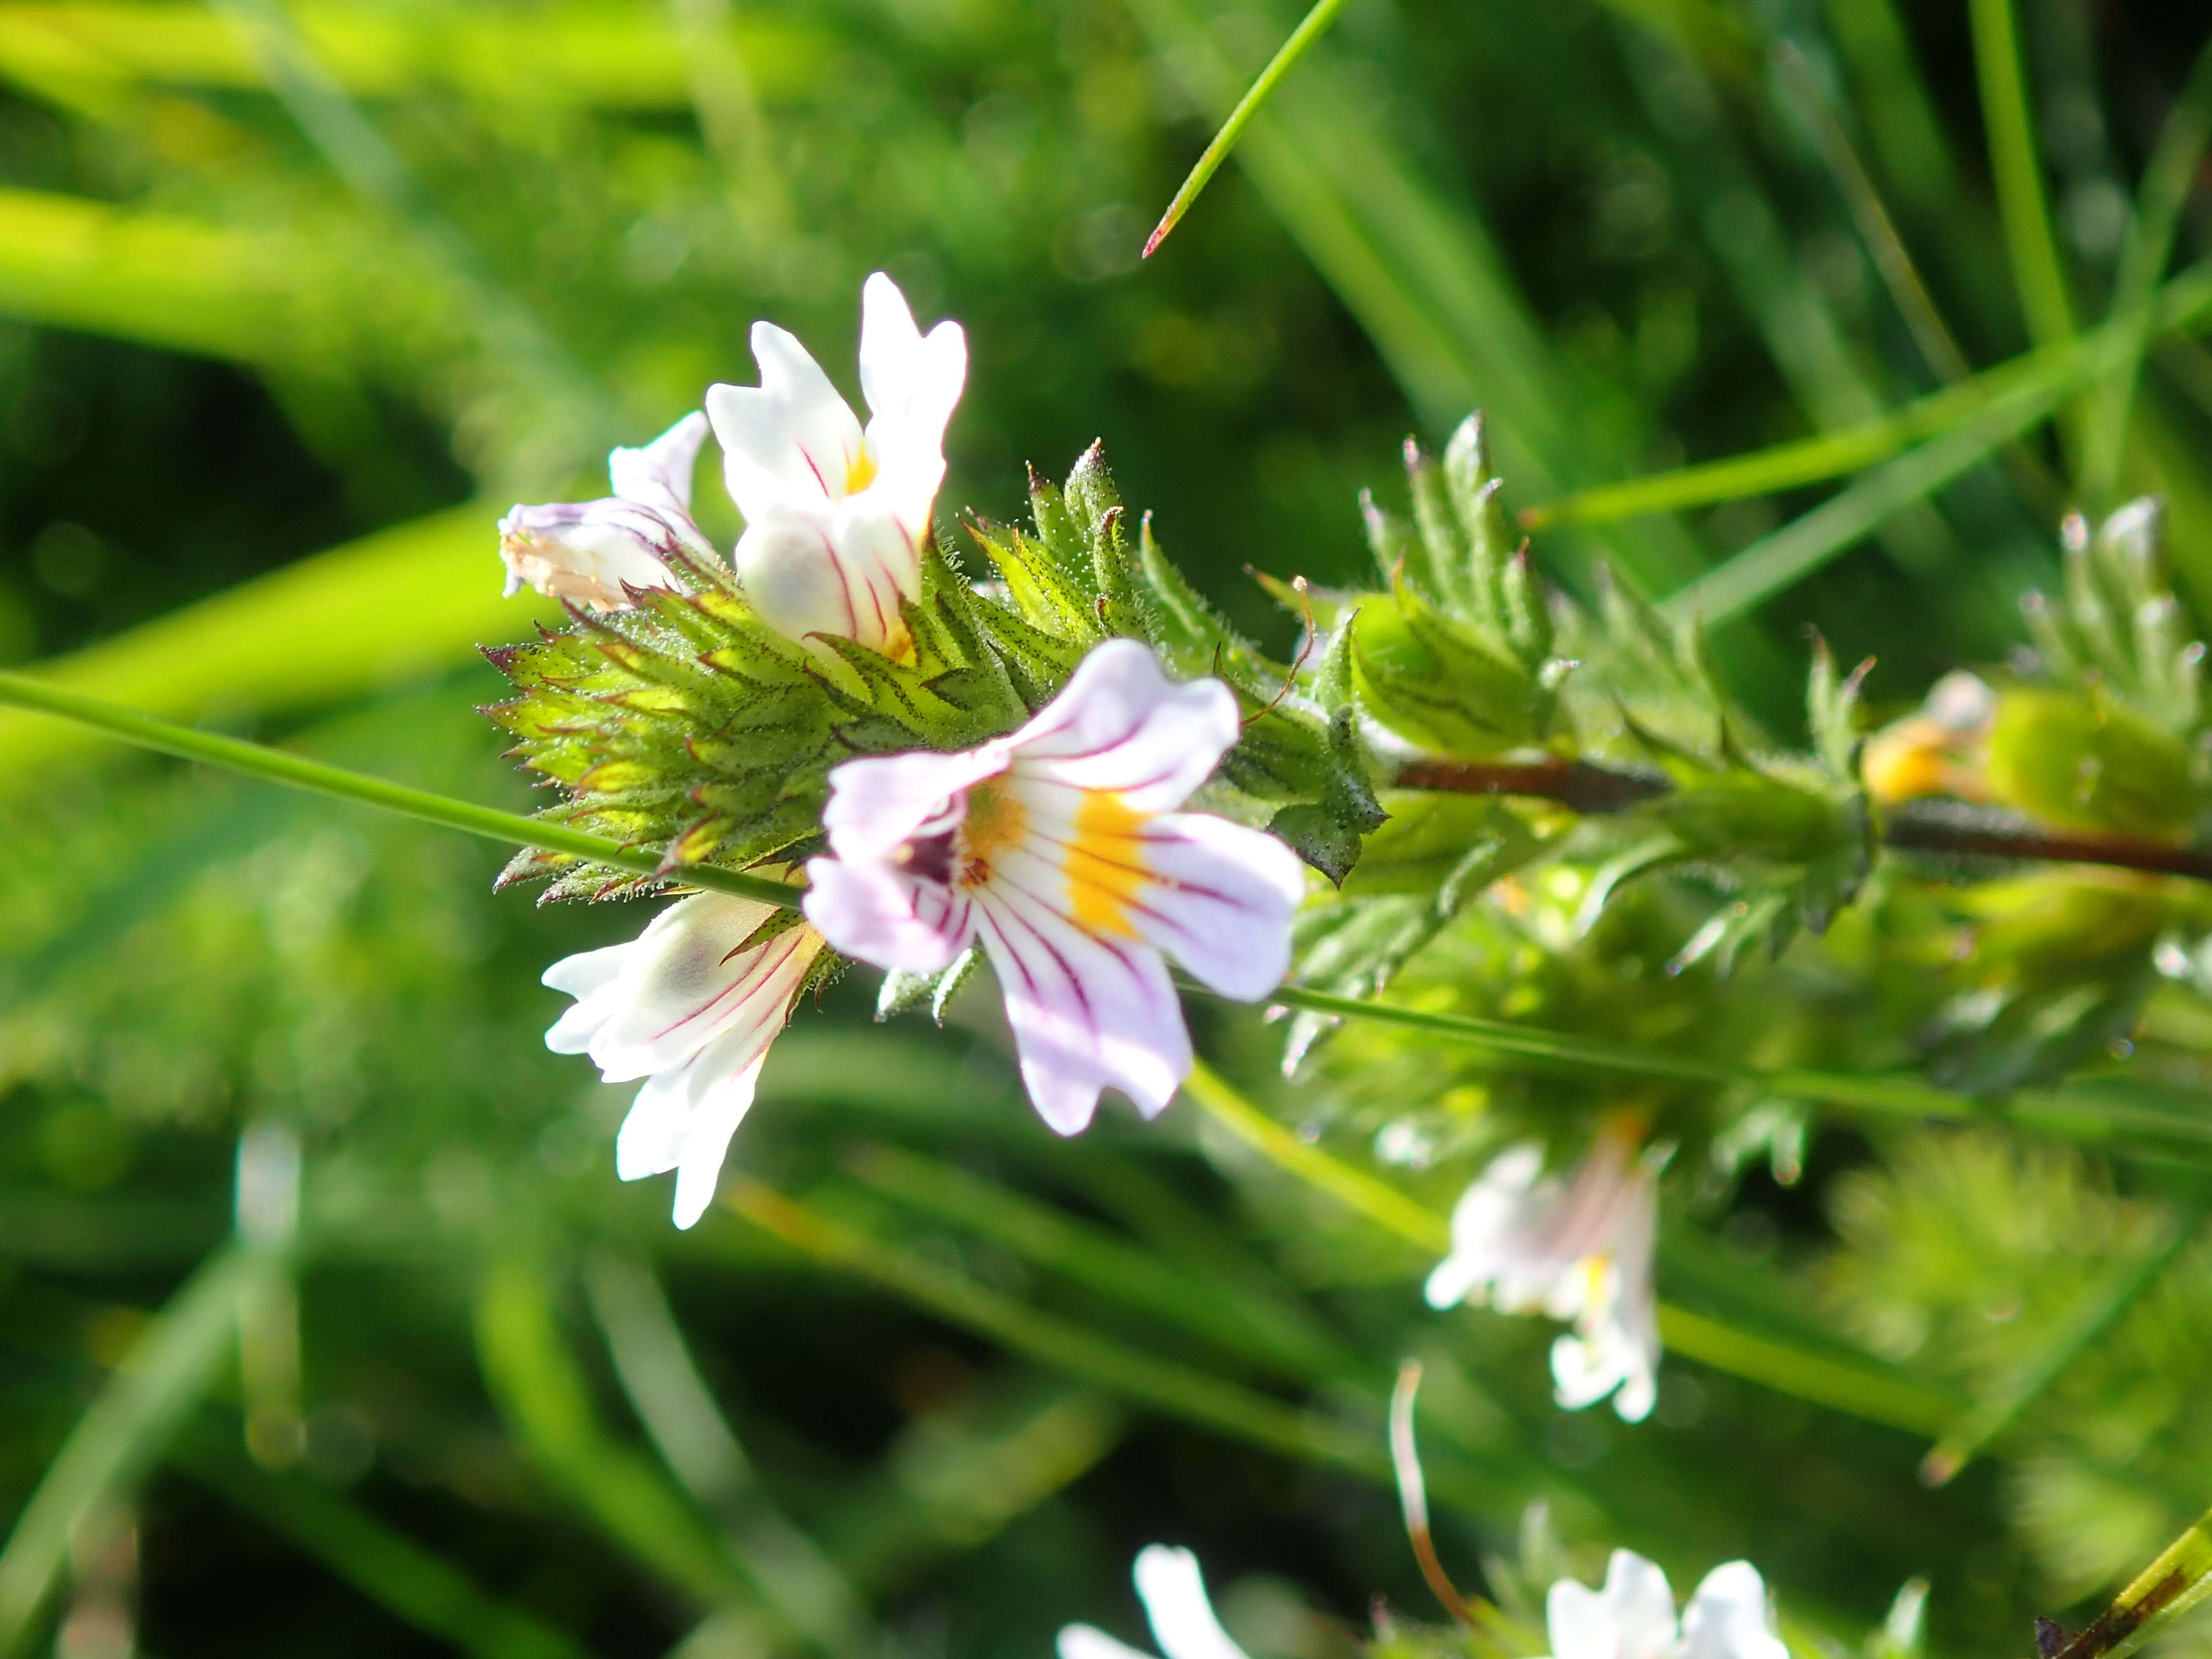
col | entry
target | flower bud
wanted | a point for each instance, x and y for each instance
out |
(2087, 763)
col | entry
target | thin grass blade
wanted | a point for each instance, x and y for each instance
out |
(2023, 203)
(390, 1568)
(122, 1434)
(2166, 182)
(1286, 59)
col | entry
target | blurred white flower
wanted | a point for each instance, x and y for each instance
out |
(1580, 1250)
(588, 551)
(835, 515)
(691, 1006)
(1632, 1617)
(1174, 1593)
(1058, 847)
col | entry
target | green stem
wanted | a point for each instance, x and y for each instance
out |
(2079, 1116)
(1286, 59)
(1377, 1200)
(256, 760)
(2161, 1593)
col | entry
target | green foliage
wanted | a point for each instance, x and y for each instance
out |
(925, 1386)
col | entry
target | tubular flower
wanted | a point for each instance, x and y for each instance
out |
(1176, 1605)
(835, 515)
(691, 1006)
(587, 552)
(1633, 1616)
(1577, 1250)
(1058, 847)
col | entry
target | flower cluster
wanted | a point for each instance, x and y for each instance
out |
(961, 772)
(1578, 1249)
(1632, 1617)
(1058, 847)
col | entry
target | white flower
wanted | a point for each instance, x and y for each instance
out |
(1060, 847)
(1633, 1616)
(1577, 1250)
(1174, 1594)
(589, 551)
(691, 1007)
(835, 515)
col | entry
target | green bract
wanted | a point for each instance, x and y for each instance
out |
(684, 723)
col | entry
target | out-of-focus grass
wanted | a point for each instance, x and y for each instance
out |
(992, 1367)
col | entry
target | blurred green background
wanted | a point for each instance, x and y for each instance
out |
(298, 299)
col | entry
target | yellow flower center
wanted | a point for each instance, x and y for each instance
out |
(1596, 1271)
(996, 822)
(1106, 864)
(859, 471)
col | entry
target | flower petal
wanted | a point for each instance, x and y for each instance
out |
(1642, 1605)
(1579, 1623)
(1221, 901)
(878, 805)
(873, 911)
(659, 475)
(1087, 1013)
(1121, 725)
(587, 552)
(913, 383)
(818, 569)
(651, 1139)
(1600, 1358)
(588, 976)
(684, 1115)
(715, 1114)
(1182, 1620)
(687, 982)
(1727, 1618)
(1488, 1226)
(789, 440)
(908, 376)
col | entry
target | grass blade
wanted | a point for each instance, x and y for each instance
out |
(533, 1378)
(164, 280)
(1423, 277)
(1877, 230)
(1780, 561)
(1175, 1389)
(2166, 182)
(2023, 205)
(2184, 305)
(1379, 1201)
(384, 1565)
(320, 631)
(656, 1373)
(1286, 58)
(571, 53)
(954, 1481)
(1096, 1259)
(1855, 1390)
(123, 1432)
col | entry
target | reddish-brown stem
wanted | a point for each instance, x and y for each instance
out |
(1928, 833)
(1934, 828)
(1572, 783)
